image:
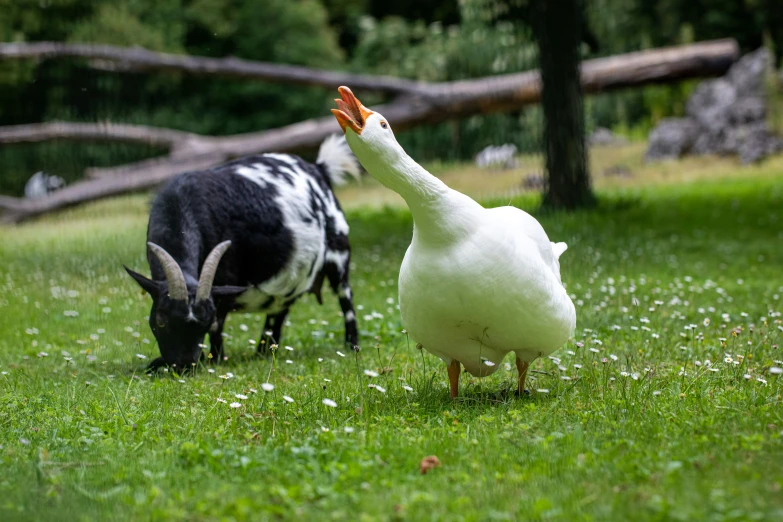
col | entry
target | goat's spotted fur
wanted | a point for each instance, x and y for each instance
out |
(287, 235)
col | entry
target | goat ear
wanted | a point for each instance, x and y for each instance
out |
(150, 286)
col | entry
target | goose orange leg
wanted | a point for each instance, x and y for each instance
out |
(522, 369)
(454, 369)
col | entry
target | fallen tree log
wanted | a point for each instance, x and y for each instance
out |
(432, 103)
(122, 59)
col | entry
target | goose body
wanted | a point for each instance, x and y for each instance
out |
(475, 283)
(495, 290)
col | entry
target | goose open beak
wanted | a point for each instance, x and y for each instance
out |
(350, 112)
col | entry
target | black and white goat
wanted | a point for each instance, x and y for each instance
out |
(254, 234)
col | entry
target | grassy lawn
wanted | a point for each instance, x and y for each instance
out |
(662, 407)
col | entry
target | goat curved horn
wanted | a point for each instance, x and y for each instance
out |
(208, 271)
(178, 290)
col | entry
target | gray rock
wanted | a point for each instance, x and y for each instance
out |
(618, 171)
(710, 103)
(603, 137)
(672, 138)
(748, 74)
(726, 116)
(503, 157)
(755, 142)
(534, 182)
(748, 110)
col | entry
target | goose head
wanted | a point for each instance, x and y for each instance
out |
(367, 132)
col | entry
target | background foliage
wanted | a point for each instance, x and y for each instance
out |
(432, 41)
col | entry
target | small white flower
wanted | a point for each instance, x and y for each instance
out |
(380, 388)
(595, 350)
(286, 398)
(243, 327)
(370, 373)
(253, 390)
(613, 357)
(211, 370)
(240, 396)
(235, 405)
(489, 363)
(141, 356)
(320, 359)
(762, 381)
(348, 429)
(181, 381)
(327, 380)
(221, 400)
(289, 361)
(746, 376)
(775, 370)
(267, 387)
(656, 393)
(406, 387)
(330, 403)
(341, 354)
(542, 390)
(43, 354)
(289, 348)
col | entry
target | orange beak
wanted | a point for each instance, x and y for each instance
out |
(350, 112)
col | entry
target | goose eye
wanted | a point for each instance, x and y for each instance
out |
(384, 125)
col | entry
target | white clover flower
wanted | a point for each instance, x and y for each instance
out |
(348, 429)
(235, 405)
(267, 387)
(222, 400)
(406, 387)
(542, 390)
(286, 398)
(141, 356)
(370, 373)
(330, 403)
(240, 396)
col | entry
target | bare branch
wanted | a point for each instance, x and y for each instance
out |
(138, 59)
(101, 131)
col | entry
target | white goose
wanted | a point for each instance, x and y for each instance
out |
(475, 283)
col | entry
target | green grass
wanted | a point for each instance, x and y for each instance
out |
(645, 429)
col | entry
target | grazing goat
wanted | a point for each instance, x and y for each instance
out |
(263, 230)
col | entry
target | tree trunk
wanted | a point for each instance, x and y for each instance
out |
(558, 26)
